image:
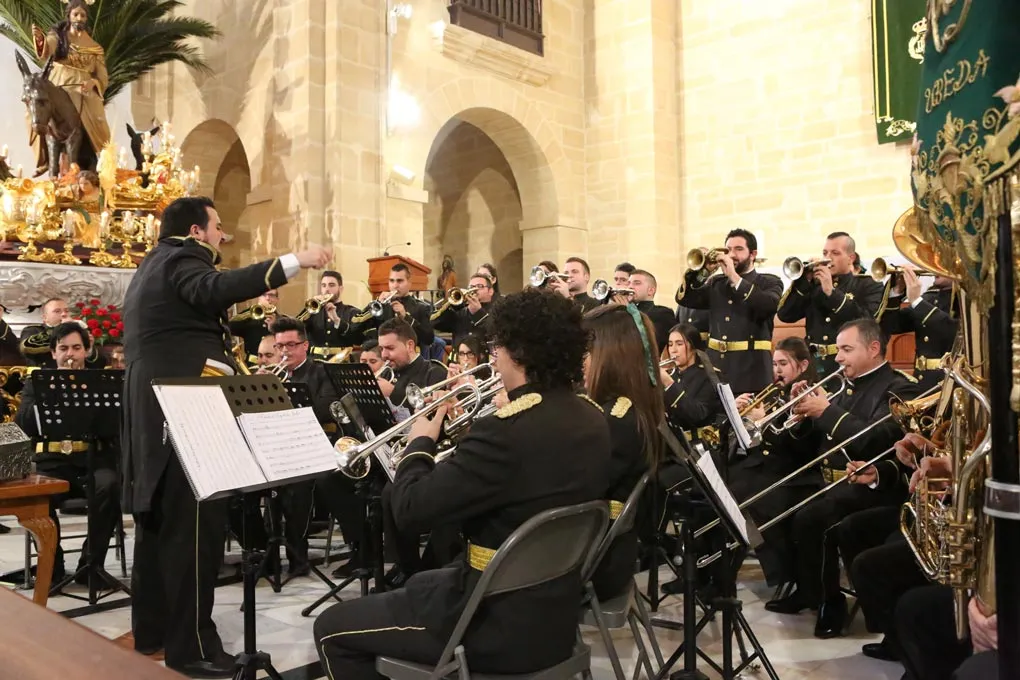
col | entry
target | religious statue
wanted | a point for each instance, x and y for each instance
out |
(79, 69)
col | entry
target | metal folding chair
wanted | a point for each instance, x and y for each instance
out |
(548, 546)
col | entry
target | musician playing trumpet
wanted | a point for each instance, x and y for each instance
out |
(252, 324)
(398, 303)
(691, 399)
(466, 312)
(332, 327)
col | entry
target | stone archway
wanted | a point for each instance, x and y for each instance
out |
(215, 147)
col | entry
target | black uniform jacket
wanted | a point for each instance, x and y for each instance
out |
(421, 372)
(695, 317)
(933, 322)
(662, 319)
(174, 320)
(251, 331)
(864, 402)
(322, 332)
(744, 316)
(692, 401)
(320, 388)
(626, 465)
(418, 314)
(460, 322)
(586, 302)
(10, 352)
(853, 297)
(36, 349)
(543, 450)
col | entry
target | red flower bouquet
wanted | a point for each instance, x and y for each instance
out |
(103, 321)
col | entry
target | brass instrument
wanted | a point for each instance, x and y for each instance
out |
(794, 267)
(354, 458)
(488, 388)
(458, 296)
(340, 356)
(667, 362)
(880, 268)
(705, 258)
(416, 396)
(771, 393)
(376, 307)
(240, 357)
(279, 369)
(539, 277)
(387, 371)
(260, 312)
(602, 291)
(313, 306)
(756, 428)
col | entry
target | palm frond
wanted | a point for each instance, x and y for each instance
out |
(137, 35)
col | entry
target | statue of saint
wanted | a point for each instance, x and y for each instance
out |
(79, 67)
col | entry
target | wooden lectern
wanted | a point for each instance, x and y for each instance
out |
(379, 273)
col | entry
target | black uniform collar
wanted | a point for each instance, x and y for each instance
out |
(870, 375)
(191, 242)
(418, 361)
(517, 392)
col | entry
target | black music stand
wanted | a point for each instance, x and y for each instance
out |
(359, 381)
(249, 394)
(369, 491)
(85, 406)
(733, 620)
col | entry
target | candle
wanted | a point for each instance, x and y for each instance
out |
(150, 227)
(20, 172)
(5, 150)
(68, 224)
(127, 221)
(122, 159)
(104, 224)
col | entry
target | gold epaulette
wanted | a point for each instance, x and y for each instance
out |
(36, 344)
(621, 407)
(361, 318)
(592, 402)
(519, 405)
(906, 375)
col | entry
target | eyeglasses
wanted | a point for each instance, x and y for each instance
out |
(289, 345)
(479, 286)
(467, 353)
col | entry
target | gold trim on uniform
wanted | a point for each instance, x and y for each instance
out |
(519, 405)
(824, 350)
(739, 345)
(615, 509)
(912, 378)
(269, 272)
(831, 475)
(65, 447)
(928, 316)
(926, 364)
(479, 557)
(592, 402)
(836, 426)
(621, 407)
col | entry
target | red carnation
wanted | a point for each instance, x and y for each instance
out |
(114, 333)
(97, 332)
(100, 312)
(120, 325)
(94, 302)
(107, 324)
(92, 323)
(115, 316)
(112, 308)
(79, 305)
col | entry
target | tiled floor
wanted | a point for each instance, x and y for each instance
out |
(287, 636)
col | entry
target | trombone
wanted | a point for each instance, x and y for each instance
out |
(602, 291)
(756, 428)
(313, 306)
(794, 267)
(354, 458)
(417, 396)
(376, 307)
(539, 277)
(880, 268)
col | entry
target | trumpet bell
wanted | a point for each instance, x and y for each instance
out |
(346, 460)
(539, 277)
(919, 251)
(793, 268)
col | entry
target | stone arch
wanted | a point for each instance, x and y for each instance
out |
(521, 131)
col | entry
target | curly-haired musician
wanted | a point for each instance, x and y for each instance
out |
(547, 448)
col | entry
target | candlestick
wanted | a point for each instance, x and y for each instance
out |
(69, 224)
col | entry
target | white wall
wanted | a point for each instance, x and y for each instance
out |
(13, 132)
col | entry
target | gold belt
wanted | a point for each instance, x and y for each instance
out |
(926, 364)
(479, 557)
(64, 447)
(328, 351)
(824, 350)
(739, 346)
(831, 475)
(615, 508)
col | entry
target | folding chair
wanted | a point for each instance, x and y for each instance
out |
(548, 546)
(627, 607)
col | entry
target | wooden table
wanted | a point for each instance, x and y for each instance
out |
(28, 499)
(39, 644)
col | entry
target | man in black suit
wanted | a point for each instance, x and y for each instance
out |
(575, 287)
(472, 317)
(547, 448)
(10, 351)
(332, 328)
(397, 346)
(932, 318)
(401, 305)
(35, 338)
(645, 286)
(254, 323)
(742, 304)
(175, 326)
(69, 346)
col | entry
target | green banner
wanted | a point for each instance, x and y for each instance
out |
(898, 29)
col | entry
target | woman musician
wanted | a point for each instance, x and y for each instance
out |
(762, 466)
(691, 398)
(620, 375)
(471, 353)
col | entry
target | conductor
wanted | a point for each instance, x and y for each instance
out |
(175, 325)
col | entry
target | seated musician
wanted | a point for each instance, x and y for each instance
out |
(871, 382)
(67, 460)
(267, 355)
(398, 345)
(692, 401)
(251, 327)
(471, 353)
(548, 448)
(35, 338)
(777, 456)
(620, 375)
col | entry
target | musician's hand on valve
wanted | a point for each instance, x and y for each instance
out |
(620, 299)
(331, 312)
(812, 406)
(501, 399)
(314, 257)
(937, 467)
(729, 268)
(859, 472)
(798, 388)
(398, 309)
(743, 400)
(912, 283)
(823, 275)
(667, 379)
(984, 630)
(429, 427)
(912, 448)
(473, 305)
(560, 286)
(386, 387)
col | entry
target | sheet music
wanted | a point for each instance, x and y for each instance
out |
(288, 443)
(733, 415)
(730, 505)
(209, 444)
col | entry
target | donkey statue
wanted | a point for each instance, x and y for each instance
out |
(136, 142)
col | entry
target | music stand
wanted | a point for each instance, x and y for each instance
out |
(84, 406)
(745, 536)
(368, 490)
(359, 381)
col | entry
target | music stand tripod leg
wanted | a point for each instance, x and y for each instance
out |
(251, 660)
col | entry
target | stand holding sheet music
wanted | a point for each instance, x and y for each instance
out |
(240, 434)
(84, 406)
(706, 478)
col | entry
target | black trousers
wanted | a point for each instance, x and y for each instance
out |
(295, 501)
(866, 529)
(106, 503)
(983, 666)
(336, 494)
(443, 546)
(816, 538)
(927, 634)
(881, 576)
(178, 551)
(350, 635)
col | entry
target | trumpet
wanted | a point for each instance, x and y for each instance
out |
(769, 394)
(602, 291)
(488, 388)
(313, 306)
(279, 369)
(880, 268)
(794, 267)
(667, 362)
(704, 258)
(756, 428)
(458, 296)
(539, 277)
(416, 396)
(387, 371)
(259, 312)
(376, 307)
(354, 458)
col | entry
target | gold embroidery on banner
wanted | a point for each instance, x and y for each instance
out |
(897, 127)
(953, 80)
(915, 48)
(937, 9)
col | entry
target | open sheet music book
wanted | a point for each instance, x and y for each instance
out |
(728, 502)
(733, 415)
(221, 454)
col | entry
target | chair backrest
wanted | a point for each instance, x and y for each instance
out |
(551, 544)
(623, 524)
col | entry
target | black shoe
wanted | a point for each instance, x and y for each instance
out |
(395, 577)
(880, 651)
(221, 666)
(831, 619)
(791, 604)
(299, 569)
(344, 571)
(674, 587)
